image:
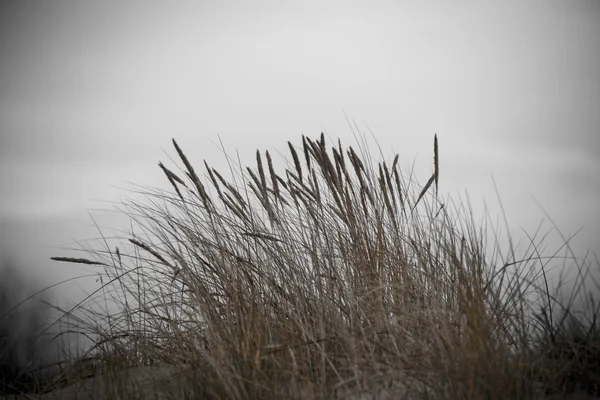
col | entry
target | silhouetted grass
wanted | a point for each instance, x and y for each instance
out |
(333, 278)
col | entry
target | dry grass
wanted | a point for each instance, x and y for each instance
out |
(325, 281)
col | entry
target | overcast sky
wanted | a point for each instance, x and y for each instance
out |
(91, 94)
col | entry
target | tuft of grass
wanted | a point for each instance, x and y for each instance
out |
(316, 283)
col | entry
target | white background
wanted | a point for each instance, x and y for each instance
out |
(91, 94)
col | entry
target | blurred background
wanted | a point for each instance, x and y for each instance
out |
(91, 94)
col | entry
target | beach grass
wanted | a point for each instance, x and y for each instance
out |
(331, 277)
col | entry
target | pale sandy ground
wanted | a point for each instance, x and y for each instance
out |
(165, 383)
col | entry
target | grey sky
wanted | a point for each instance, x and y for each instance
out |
(92, 92)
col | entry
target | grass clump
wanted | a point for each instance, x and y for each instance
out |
(333, 278)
